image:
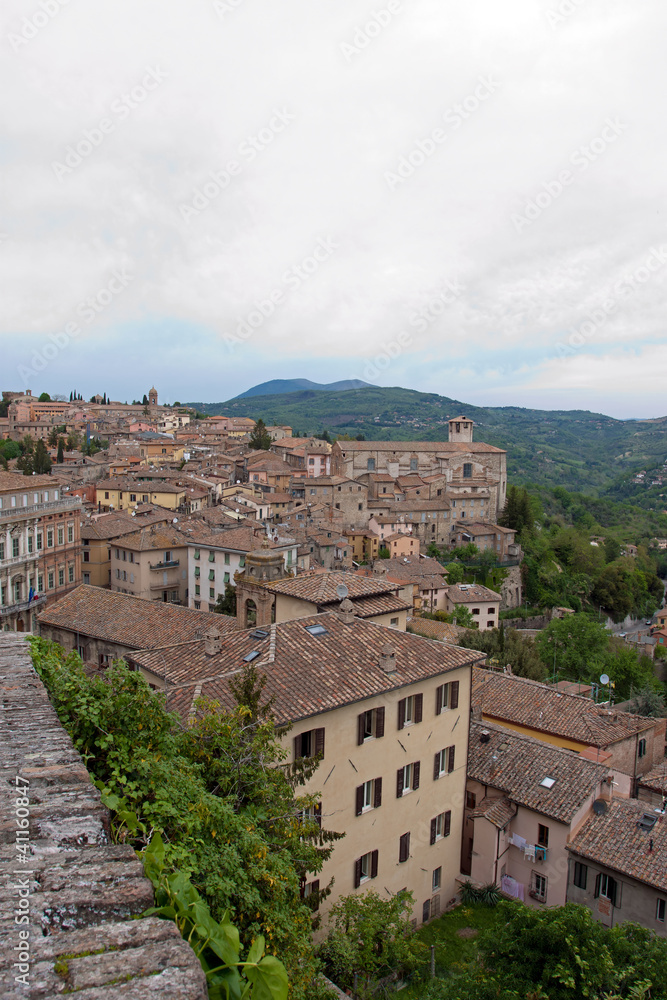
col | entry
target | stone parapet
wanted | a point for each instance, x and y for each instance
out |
(78, 891)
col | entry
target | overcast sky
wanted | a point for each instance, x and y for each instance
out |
(463, 198)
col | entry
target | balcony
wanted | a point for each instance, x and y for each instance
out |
(15, 609)
(17, 560)
(35, 509)
(165, 565)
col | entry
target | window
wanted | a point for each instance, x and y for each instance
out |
(446, 696)
(436, 880)
(370, 465)
(310, 893)
(106, 496)
(197, 605)
(441, 826)
(368, 796)
(133, 497)
(542, 835)
(414, 464)
(15, 547)
(660, 907)
(226, 578)
(471, 800)
(70, 573)
(309, 744)
(404, 848)
(641, 748)
(410, 710)
(49, 538)
(2, 550)
(86, 577)
(197, 589)
(580, 875)
(393, 622)
(86, 556)
(196, 553)
(467, 470)
(241, 562)
(407, 779)
(538, 887)
(17, 591)
(365, 867)
(39, 541)
(211, 593)
(211, 574)
(443, 762)
(30, 543)
(226, 558)
(70, 532)
(40, 582)
(197, 572)
(607, 887)
(475, 611)
(51, 578)
(211, 557)
(370, 725)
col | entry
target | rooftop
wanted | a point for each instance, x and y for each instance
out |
(517, 765)
(398, 447)
(520, 701)
(307, 673)
(614, 839)
(130, 621)
(440, 631)
(468, 593)
(321, 588)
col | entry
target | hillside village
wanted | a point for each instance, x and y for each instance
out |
(193, 546)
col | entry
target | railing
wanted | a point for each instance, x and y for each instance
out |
(15, 560)
(11, 513)
(165, 565)
(13, 609)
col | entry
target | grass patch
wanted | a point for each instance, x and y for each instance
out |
(451, 949)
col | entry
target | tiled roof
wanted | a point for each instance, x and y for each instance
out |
(498, 811)
(119, 523)
(400, 506)
(320, 588)
(528, 703)
(382, 604)
(413, 567)
(398, 447)
(130, 621)
(516, 764)
(483, 528)
(440, 631)
(307, 674)
(242, 539)
(154, 537)
(471, 594)
(614, 840)
(656, 779)
(17, 481)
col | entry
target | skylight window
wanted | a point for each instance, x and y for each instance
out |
(259, 633)
(316, 629)
(251, 656)
(548, 782)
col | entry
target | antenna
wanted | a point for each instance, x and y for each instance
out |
(342, 591)
(604, 679)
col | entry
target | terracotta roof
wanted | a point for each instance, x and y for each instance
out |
(498, 811)
(120, 523)
(656, 779)
(414, 567)
(398, 447)
(320, 588)
(614, 839)
(528, 703)
(17, 481)
(471, 594)
(516, 765)
(154, 537)
(400, 506)
(307, 674)
(440, 631)
(131, 621)
(242, 539)
(484, 528)
(382, 604)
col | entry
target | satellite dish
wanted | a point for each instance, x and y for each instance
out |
(604, 679)
(599, 807)
(342, 591)
(175, 521)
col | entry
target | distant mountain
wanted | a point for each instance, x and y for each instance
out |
(280, 386)
(576, 449)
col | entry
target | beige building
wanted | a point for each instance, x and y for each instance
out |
(98, 531)
(40, 546)
(483, 604)
(374, 599)
(126, 494)
(151, 563)
(388, 713)
(525, 801)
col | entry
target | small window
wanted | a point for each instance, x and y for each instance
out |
(211, 574)
(542, 835)
(436, 879)
(444, 762)
(441, 826)
(538, 886)
(471, 800)
(309, 744)
(467, 470)
(404, 848)
(407, 779)
(548, 782)
(660, 907)
(641, 748)
(368, 796)
(366, 867)
(197, 589)
(410, 710)
(196, 553)
(370, 465)
(580, 875)
(316, 629)
(253, 656)
(370, 725)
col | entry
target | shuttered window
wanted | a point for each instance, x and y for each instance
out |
(443, 762)
(370, 725)
(446, 696)
(404, 848)
(410, 710)
(365, 867)
(309, 744)
(368, 796)
(441, 826)
(407, 778)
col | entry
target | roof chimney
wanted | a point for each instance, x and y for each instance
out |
(388, 659)
(346, 612)
(212, 642)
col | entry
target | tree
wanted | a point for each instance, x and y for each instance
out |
(508, 647)
(44, 398)
(466, 553)
(649, 702)
(61, 449)
(369, 937)
(260, 439)
(384, 553)
(576, 644)
(226, 605)
(455, 572)
(53, 437)
(461, 615)
(144, 401)
(41, 460)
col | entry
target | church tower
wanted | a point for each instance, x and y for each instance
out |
(460, 430)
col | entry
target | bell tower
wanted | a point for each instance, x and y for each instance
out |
(460, 430)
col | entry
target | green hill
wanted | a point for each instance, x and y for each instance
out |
(582, 451)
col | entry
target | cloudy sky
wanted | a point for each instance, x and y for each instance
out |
(463, 198)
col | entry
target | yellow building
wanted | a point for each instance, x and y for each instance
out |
(122, 494)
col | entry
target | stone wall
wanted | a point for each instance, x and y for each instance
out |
(67, 896)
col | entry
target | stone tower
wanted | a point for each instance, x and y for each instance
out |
(253, 597)
(152, 398)
(460, 429)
